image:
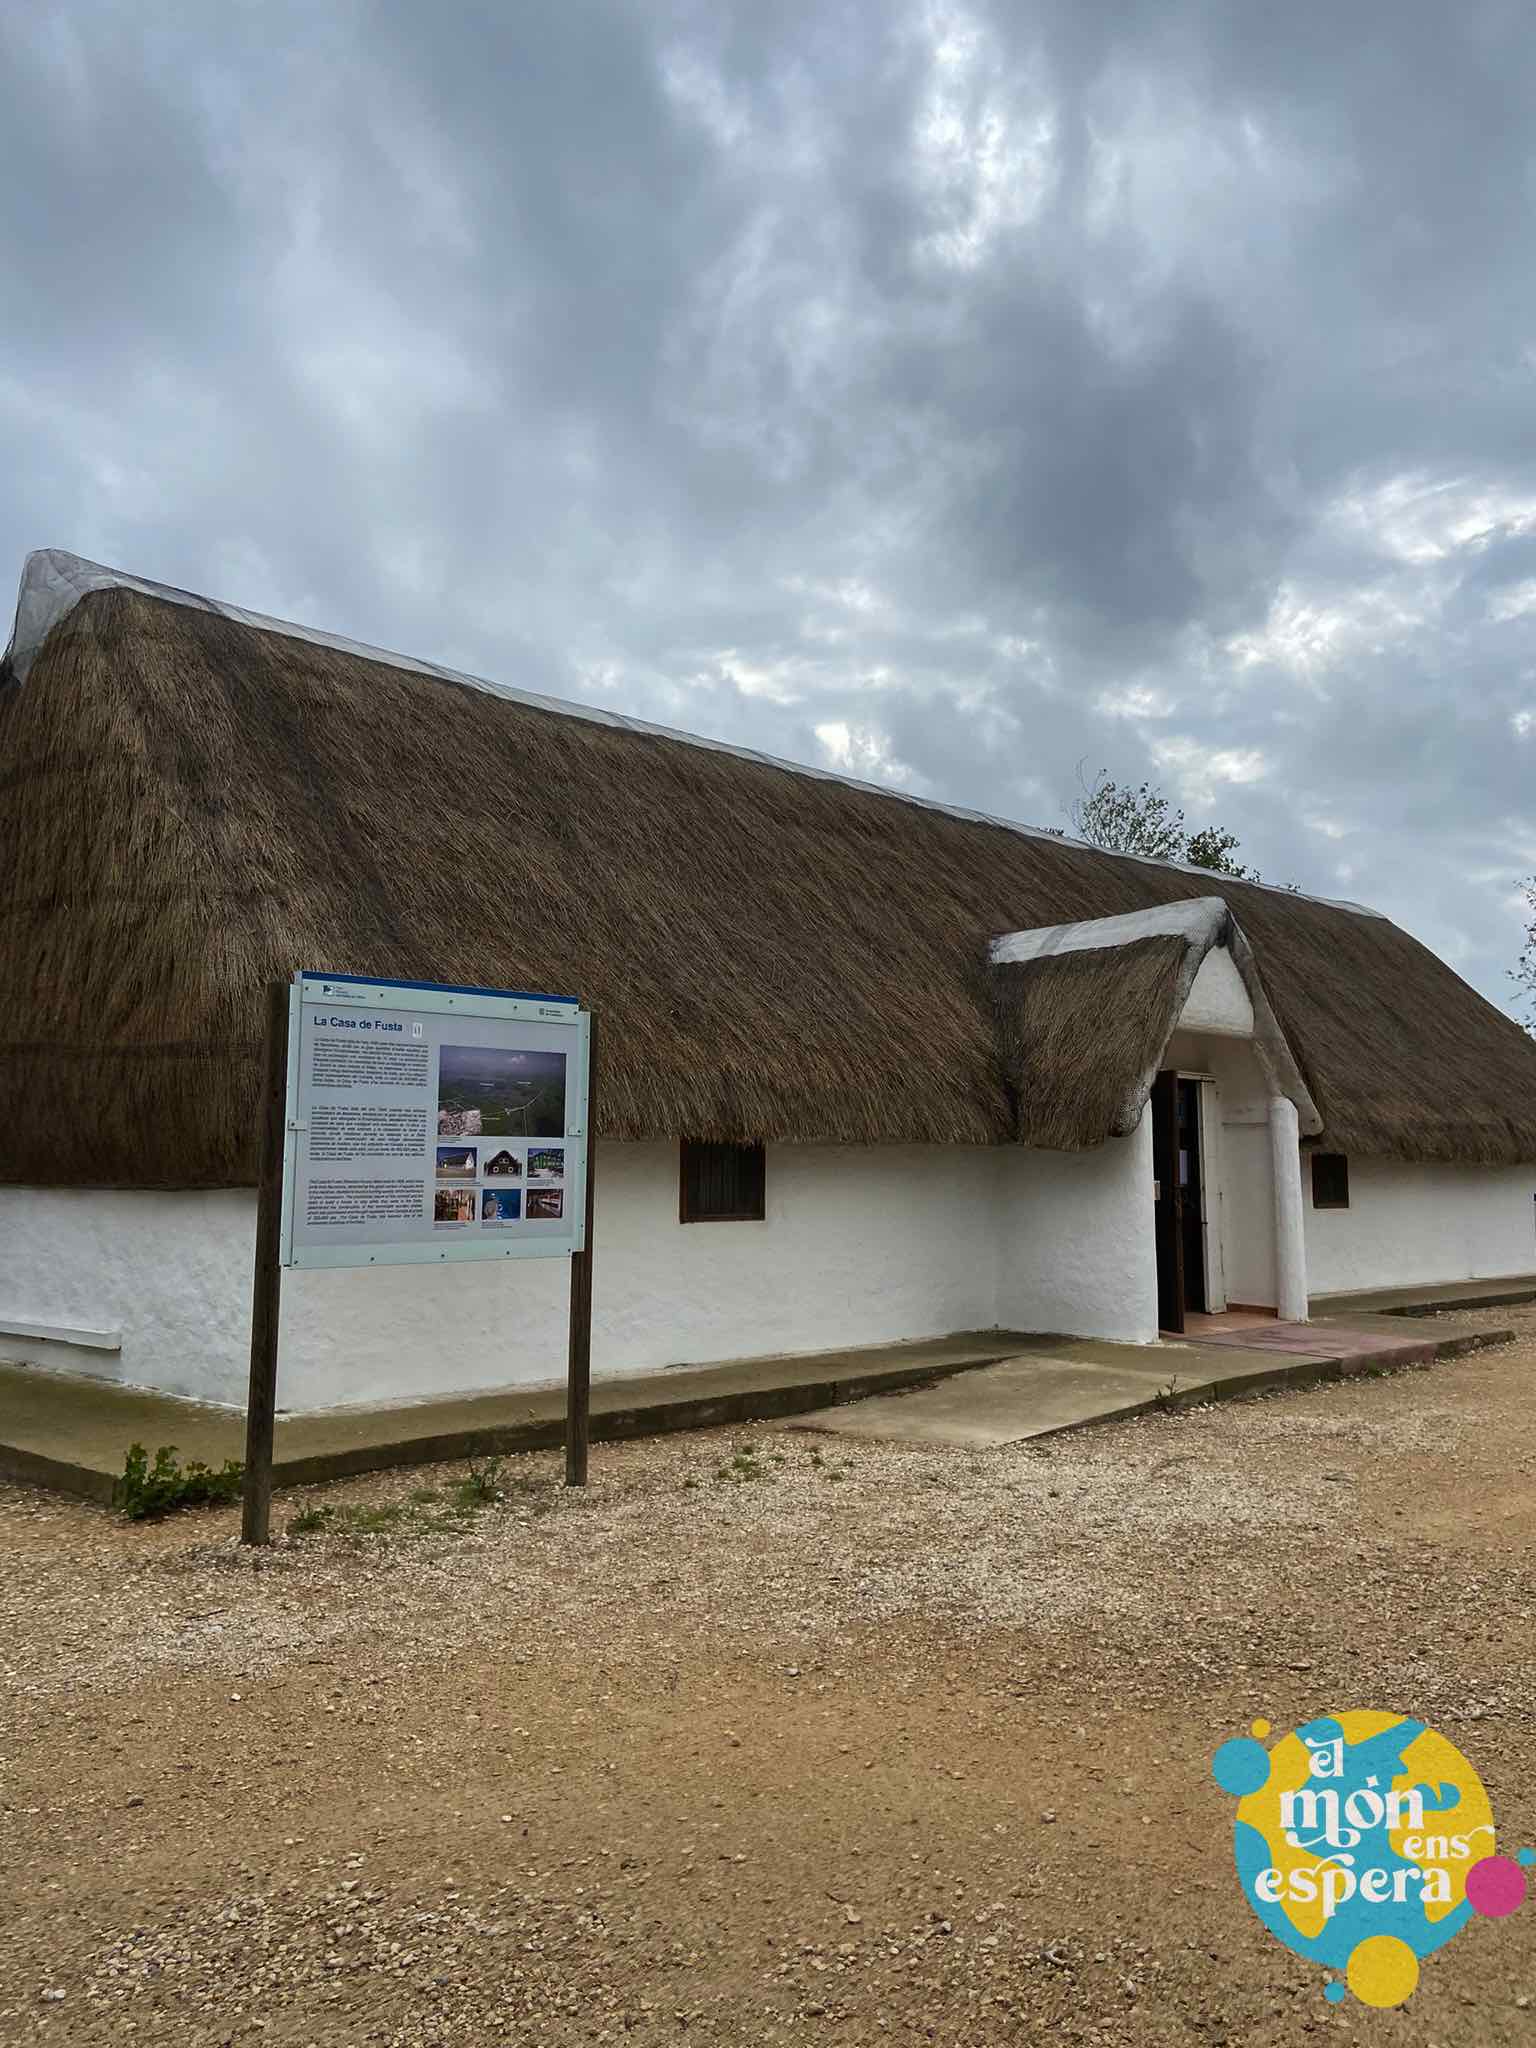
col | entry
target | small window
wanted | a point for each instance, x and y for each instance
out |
(721, 1183)
(1330, 1180)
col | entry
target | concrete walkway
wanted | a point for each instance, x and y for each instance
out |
(1428, 1301)
(1057, 1384)
(73, 1434)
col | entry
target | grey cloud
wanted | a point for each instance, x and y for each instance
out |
(1006, 387)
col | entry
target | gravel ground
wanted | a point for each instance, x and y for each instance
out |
(819, 1741)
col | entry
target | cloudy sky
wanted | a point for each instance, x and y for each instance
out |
(951, 394)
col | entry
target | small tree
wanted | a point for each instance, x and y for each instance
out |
(1125, 820)
(1523, 973)
(1142, 820)
(1212, 848)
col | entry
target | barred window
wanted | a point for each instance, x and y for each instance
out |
(721, 1183)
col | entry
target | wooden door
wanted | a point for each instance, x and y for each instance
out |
(1191, 1198)
(1168, 1208)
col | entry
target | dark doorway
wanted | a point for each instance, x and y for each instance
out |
(1180, 1206)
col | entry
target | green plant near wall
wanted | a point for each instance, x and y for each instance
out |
(147, 1490)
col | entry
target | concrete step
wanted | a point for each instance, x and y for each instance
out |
(1056, 1385)
(1503, 1292)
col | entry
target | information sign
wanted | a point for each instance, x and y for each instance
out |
(429, 1123)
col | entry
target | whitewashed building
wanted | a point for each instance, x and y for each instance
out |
(873, 1068)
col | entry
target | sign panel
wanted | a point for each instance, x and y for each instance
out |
(429, 1124)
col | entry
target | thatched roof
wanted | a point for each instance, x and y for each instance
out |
(1071, 1081)
(193, 802)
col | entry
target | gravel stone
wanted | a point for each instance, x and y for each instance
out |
(922, 1756)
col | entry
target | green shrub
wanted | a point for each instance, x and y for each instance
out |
(147, 1490)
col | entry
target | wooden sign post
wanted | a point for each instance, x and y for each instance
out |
(267, 1285)
(578, 1388)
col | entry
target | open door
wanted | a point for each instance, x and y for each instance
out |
(1180, 1207)
(1168, 1207)
(1191, 1198)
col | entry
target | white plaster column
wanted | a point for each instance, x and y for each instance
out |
(1290, 1236)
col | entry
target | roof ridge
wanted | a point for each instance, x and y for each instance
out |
(1191, 918)
(53, 582)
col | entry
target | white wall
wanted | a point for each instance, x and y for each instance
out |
(1414, 1225)
(1217, 1000)
(1077, 1254)
(171, 1271)
(1248, 1214)
(860, 1246)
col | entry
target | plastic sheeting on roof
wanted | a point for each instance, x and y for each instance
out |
(1198, 921)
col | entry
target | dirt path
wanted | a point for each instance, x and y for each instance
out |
(869, 1744)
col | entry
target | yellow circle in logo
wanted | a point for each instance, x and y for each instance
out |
(1382, 1971)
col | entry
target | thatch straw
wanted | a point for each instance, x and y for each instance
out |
(1084, 1012)
(192, 806)
(1078, 1033)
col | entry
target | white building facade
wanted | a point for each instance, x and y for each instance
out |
(857, 1245)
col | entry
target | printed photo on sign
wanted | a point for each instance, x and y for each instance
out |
(456, 1162)
(503, 1165)
(484, 1090)
(501, 1205)
(545, 1202)
(453, 1206)
(546, 1162)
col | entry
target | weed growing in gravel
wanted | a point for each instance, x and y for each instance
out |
(376, 1518)
(749, 1461)
(481, 1485)
(425, 1510)
(746, 1464)
(147, 1490)
(1167, 1397)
